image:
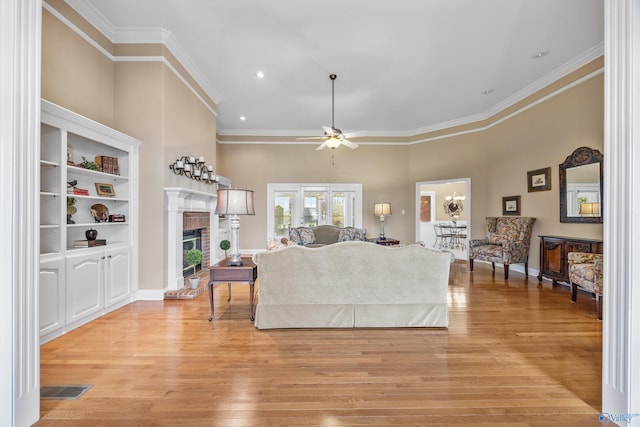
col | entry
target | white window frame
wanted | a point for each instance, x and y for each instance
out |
(300, 188)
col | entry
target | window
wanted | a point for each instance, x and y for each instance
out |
(310, 205)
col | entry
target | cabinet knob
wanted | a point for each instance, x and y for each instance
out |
(109, 256)
(102, 258)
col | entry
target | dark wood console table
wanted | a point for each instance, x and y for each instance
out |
(554, 251)
(246, 273)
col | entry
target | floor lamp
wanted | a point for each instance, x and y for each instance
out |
(234, 202)
(382, 209)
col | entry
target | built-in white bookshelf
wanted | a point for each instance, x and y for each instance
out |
(79, 284)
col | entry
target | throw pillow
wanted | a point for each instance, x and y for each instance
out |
(351, 233)
(307, 236)
(294, 236)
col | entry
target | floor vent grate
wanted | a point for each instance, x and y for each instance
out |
(63, 392)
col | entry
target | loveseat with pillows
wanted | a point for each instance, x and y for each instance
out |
(325, 235)
(352, 284)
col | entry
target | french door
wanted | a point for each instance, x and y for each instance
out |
(310, 205)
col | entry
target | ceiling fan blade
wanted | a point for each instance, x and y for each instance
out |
(355, 134)
(324, 144)
(329, 130)
(311, 138)
(349, 143)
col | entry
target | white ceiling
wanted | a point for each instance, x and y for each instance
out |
(403, 66)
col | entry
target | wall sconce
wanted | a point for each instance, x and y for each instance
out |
(382, 209)
(453, 206)
(194, 167)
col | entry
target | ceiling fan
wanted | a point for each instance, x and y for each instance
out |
(333, 137)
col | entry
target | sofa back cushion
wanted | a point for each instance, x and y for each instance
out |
(326, 234)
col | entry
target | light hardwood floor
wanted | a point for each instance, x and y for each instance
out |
(516, 353)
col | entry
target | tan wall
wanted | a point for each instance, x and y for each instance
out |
(74, 74)
(382, 170)
(497, 160)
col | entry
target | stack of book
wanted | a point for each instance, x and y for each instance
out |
(80, 191)
(108, 164)
(89, 243)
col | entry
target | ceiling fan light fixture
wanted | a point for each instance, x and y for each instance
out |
(333, 142)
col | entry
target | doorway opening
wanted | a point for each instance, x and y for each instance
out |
(431, 214)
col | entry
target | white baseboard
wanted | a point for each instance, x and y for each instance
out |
(150, 295)
(533, 272)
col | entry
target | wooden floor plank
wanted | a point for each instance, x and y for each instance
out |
(516, 353)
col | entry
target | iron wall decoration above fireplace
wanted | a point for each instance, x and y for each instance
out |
(194, 167)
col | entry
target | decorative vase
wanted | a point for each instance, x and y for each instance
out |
(91, 234)
(194, 282)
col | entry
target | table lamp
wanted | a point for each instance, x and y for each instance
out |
(382, 209)
(235, 202)
(590, 209)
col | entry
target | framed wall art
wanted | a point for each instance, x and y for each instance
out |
(539, 180)
(105, 190)
(511, 205)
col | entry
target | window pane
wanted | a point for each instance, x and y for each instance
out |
(337, 206)
(314, 208)
(283, 212)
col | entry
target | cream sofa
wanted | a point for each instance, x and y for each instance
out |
(352, 284)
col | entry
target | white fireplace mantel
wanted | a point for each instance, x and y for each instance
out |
(181, 200)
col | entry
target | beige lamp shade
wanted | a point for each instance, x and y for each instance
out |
(235, 202)
(382, 209)
(590, 209)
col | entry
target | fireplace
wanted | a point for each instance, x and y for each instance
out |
(195, 235)
(191, 239)
(189, 212)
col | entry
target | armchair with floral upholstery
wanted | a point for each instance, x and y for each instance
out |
(507, 242)
(585, 270)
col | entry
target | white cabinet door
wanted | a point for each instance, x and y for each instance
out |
(52, 296)
(118, 276)
(84, 285)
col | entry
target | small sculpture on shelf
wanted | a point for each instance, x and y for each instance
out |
(100, 212)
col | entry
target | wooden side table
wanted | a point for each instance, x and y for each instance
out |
(385, 242)
(246, 273)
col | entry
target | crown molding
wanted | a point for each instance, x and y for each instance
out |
(162, 36)
(145, 36)
(560, 72)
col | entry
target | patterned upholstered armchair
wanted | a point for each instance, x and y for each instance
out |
(507, 242)
(585, 270)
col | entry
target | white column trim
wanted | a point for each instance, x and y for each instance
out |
(621, 324)
(20, 46)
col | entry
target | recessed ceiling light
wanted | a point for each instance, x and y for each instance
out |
(243, 118)
(259, 74)
(540, 54)
(487, 92)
